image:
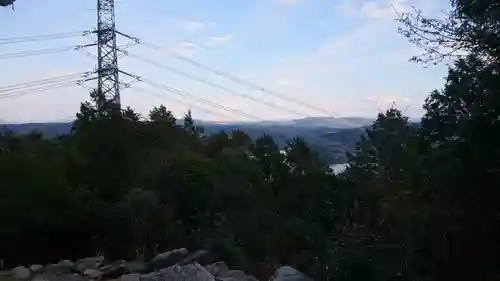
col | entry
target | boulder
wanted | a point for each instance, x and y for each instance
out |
(288, 273)
(66, 263)
(131, 277)
(67, 277)
(57, 269)
(40, 277)
(114, 270)
(36, 267)
(191, 272)
(21, 273)
(168, 259)
(92, 273)
(202, 257)
(235, 275)
(134, 266)
(89, 263)
(217, 269)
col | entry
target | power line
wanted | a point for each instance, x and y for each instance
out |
(14, 40)
(202, 100)
(237, 79)
(216, 105)
(36, 90)
(40, 52)
(40, 82)
(214, 85)
(189, 106)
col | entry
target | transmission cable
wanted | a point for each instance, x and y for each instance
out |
(36, 90)
(214, 85)
(40, 82)
(180, 102)
(14, 40)
(216, 105)
(39, 52)
(187, 94)
(237, 80)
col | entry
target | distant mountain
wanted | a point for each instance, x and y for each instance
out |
(47, 129)
(330, 122)
(330, 137)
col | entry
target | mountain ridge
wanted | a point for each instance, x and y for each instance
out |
(330, 137)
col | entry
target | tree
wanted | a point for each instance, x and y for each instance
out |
(469, 27)
(461, 129)
(385, 212)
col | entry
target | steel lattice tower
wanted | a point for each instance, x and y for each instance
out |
(108, 83)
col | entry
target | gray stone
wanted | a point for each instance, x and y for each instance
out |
(66, 263)
(57, 269)
(21, 272)
(36, 267)
(67, 277)
(131, 277)
(168, 259)
(92, 273)
(217, 269)
(134, 266)
(114, 270)
(40, 277)
(235, 275)
(203, 257)
(288, 273)
(191, 272)
(89, 263)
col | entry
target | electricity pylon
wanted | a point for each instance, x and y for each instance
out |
(108, 83)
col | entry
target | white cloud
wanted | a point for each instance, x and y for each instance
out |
(353, 75)
(216, 40)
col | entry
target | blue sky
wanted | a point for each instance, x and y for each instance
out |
(343, 56)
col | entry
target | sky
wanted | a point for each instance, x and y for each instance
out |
(341, 57)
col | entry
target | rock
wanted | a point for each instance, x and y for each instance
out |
(131, 277)
(191, 272)
(92, 273)
(36, 267)
(89, 263)
(40, 277)
(202, 257)
(217, 269)
(168, 259)
(57, 269)
(67, 277)
(66, 263)
(288, 273)
(21, 272)
(134, 266)
(235, 275)
(114, 270)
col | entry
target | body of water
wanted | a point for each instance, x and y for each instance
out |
(338, 168)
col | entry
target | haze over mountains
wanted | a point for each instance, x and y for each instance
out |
(329, 136)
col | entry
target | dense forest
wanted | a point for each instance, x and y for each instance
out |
(331, 142)
(416, 203)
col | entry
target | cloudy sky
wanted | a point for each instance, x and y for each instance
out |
(342, 57)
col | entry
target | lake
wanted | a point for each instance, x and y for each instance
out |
(338, 168)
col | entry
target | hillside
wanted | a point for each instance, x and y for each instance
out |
(331, 137)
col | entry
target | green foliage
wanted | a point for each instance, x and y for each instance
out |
(414, 204)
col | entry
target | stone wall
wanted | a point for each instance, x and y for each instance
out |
(174, 265)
